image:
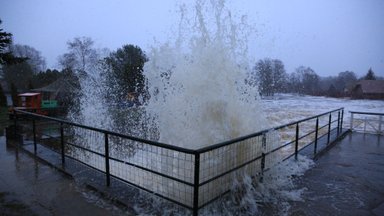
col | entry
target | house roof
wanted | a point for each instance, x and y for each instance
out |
(28, 94)
(60, 85)
(371, 86)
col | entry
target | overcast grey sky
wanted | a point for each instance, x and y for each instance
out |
(329, 36)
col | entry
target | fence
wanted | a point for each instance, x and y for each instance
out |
(188, 177)
(367, 122)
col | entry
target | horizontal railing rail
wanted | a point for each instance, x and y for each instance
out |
(239, 139)
(150, 142)
(191, 178)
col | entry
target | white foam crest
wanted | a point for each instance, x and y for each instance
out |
(248, 196)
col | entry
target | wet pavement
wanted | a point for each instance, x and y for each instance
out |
(31, 187)
(346, 180)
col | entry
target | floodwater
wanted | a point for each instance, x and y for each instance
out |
(30, 187)
(286, 108)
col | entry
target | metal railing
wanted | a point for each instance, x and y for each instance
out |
(367, 122)
(191, 178)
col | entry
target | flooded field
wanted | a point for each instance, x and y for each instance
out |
(285, 108)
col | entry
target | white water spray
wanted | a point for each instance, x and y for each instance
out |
(199, 94)
(198, 97)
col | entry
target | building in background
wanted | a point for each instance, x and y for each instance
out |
(368, 89)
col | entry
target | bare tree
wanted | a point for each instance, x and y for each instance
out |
(270, 75)
(279, 75)
(264, 76)
(310, 81)
(18, 74)
(32, 56)
(81, 57)
(345, 81)
(294, 82)
(305, 81)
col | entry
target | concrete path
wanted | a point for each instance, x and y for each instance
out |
(346, 180)
(30, 187)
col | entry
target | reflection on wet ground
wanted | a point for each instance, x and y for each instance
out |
(30, 187)
(347, 180)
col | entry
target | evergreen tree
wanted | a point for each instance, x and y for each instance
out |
(370, 75)
(5, 40)
(6, 57)
(125, 72)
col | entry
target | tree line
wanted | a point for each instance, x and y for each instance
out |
(23, 68)
(271, 77)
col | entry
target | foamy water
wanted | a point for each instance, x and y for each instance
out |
(286, 108)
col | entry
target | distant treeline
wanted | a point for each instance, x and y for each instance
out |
(271, 77)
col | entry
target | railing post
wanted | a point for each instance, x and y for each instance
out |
(196, 185)
(380, 121)
(351, 123)
(262, 164)
(365, 124)
(342, 118)
(297, 141)
(62, 143)
(106, 151)
(338, 123)
(329, 128)
(15, 123)
(34, 135)
(316, 135)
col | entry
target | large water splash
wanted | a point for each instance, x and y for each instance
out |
(197, 84)
(198, 96)
(198, 88)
